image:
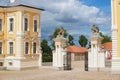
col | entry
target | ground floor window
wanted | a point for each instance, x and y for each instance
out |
(1, 63)
(10, 47)
(34, 47)
(26, 47)
(0, 47)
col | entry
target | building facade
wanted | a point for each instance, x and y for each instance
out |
(115, 10)
(19, 36)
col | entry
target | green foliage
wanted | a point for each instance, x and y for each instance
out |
(70, 40)
(46, 51)
(106, 38)
(83, 41)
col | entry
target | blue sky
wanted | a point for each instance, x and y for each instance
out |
(102, 4)
(76, 16)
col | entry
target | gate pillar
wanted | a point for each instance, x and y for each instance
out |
(60, 56)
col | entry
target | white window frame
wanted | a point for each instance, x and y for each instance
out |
(11, 32)
(25, 16)
(25, 47)
(9, 47)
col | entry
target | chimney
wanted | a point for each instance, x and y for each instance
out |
(12, 1)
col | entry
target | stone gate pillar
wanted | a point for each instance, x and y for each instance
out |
(96, 57)
(59, 53)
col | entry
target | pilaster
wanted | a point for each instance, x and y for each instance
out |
(115, 69)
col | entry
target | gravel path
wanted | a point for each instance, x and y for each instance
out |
(52, 74)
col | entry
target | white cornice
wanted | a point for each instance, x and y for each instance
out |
(20, 8)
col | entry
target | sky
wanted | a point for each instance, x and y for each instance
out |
(76, 16)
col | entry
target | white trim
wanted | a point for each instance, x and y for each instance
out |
(20, 21)
(11, 32)
(8, 48)
(22, 8)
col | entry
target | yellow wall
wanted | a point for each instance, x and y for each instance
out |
(116, 21)
(16, 13)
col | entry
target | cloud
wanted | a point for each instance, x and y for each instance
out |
(71, 11)
(74, 15)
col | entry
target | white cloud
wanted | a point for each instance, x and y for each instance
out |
(73, 14)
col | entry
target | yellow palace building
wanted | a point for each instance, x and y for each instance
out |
(115, 10)
(19, 35)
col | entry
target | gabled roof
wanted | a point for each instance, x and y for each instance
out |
(107, 45)
(6, 3)
(76, 49)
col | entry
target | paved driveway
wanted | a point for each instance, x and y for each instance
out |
(52, 74)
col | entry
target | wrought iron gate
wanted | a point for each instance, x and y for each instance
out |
(67, 61)
(86, 61)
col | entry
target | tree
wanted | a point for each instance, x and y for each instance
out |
(106, 38)
(70, 40)
(46, 51)
(55, 33)
(83, 41)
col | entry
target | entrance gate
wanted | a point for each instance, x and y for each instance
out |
(67, 61)
(86, 61)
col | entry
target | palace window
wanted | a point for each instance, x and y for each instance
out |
(0, 47)
(35, 25)
(11, 26)
(26, 48)
(25, 24)
(34, 47)
(1, 63)
(0, 24)
(11, 47)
